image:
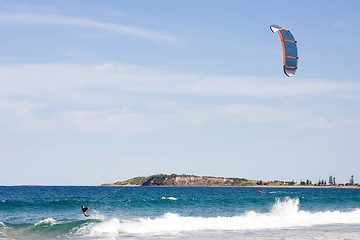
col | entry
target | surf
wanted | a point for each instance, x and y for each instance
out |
(285, 213)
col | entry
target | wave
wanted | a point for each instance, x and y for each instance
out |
(47, 228)
(169, 198)
(284, 214)
(47, 221)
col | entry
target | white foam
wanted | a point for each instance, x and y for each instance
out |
(96, 215)
(284, 214)
(169, 198)
(47, 221)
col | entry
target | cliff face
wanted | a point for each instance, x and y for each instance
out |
(186, 181)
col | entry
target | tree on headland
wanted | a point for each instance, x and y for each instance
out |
(321, 183)
(331, 181)
(351, 181)
(292, 183)
(306, 183)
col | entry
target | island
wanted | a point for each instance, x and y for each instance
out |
(175, 180)
(183, 180)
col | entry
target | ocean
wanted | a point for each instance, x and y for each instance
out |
(54, 212)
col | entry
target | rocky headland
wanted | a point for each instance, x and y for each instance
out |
(175, 180)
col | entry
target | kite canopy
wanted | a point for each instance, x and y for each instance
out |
(290, 54)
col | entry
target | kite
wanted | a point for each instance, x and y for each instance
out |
(290, 53)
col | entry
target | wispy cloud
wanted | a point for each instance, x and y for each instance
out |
(340, 25)
(260, 114)
(95, 122)
(105, 98)
(39, 79)
(45, 19)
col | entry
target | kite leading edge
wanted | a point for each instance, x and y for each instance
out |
(290, 53)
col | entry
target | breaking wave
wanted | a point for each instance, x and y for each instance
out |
(284, 214)
(47, 221)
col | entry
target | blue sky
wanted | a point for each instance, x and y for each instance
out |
(100, 91)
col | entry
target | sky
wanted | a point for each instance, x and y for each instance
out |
(96, 92)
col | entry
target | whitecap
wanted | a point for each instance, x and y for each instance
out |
(169, 198)
(47, 221)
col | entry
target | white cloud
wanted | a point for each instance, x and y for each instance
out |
(251, 113)
(45, 19)
(348, 96)
(95, 122)
(323, 123)
(20, 116)
(20, 107)
(35, 79)
(122, 99)
(246, 113)
(340, 25)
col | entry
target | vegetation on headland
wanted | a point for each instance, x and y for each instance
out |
(184, 180)
(175, 180)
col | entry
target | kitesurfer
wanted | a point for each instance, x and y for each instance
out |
(85, 209)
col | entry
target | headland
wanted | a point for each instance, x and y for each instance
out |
(175, 180)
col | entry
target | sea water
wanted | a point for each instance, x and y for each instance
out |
(32, 212)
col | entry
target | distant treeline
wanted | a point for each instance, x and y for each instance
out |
(331, 182)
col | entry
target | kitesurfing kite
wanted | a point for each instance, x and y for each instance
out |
(290, 53)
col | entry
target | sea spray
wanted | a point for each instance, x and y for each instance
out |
(286, 207)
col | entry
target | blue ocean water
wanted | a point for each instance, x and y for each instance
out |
(32, 212)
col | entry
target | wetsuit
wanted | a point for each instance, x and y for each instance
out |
(85, 209)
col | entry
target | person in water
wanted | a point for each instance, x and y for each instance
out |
(85, 209)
